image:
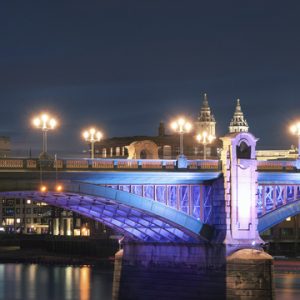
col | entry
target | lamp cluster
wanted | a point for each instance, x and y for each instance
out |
(182, 126)
(44, 188)
(46, 123)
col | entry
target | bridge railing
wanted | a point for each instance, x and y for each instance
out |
(277, 165)
(137, 164)
(106, 164)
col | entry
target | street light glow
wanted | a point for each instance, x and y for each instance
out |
(204, 138)
(92, 136)
(43, 188)
(59, 188)
(181, 126)
(45, 123)
(295, 129)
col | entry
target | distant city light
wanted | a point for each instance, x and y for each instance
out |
(28, 201)
(43, 188)
(59, 188)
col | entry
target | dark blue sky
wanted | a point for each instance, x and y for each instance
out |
(126, 65)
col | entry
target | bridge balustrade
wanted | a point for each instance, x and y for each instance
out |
(204, 164)
(155, 164)
(113, 164)
(31, 164)
(11, 164)
(271, 165)
(77, 164)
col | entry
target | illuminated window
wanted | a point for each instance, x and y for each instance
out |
(85, 231)
(76, 232)
(28, 201)
(10, 221)
(18, 220)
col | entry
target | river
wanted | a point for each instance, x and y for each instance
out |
(46, 282)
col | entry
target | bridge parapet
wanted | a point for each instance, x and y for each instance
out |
(278, 165)
(107, 164)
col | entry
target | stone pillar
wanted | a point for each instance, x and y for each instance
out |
(239, 168)
(170, 271)
(191, 271)
(250, 275)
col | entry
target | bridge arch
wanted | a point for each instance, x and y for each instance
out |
(136, 217)
(279, 215)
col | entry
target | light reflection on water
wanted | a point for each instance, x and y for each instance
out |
(287, 286)
(43, 282)
(31, 281)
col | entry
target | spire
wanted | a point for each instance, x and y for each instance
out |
(205, 101)
(238, 123)
(238, 106)
(205, 114)
(206, 120)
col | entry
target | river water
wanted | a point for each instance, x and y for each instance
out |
(44, 282)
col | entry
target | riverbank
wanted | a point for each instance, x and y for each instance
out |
(14, 254)
(58, 250)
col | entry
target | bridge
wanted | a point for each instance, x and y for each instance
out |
(159, 201)
(178, 215)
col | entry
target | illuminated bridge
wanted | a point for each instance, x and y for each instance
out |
(231, 200)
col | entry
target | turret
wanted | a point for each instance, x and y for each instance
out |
(238, 123)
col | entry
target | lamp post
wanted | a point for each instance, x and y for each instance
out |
(181, 126)
(45, 123)
(204, 138)
(92, 136)
(295, 129)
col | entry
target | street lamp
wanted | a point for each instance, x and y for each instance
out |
(92, 136)
(181, 126)
(295, 129)
(45, 123)
(204, 138)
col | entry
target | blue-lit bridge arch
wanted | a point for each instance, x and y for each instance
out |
(136, 217)
(278, 197)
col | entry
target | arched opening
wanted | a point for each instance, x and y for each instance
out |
(143, 154)
(243, 151)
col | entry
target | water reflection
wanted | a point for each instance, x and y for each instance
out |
(31, 281)
(287, 286)
(42, 282)
(85, 283)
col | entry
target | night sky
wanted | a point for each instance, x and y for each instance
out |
(124, 66)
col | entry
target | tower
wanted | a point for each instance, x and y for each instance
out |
(238, 123)
(206, 120)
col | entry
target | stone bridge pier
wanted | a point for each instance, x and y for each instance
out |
(231, 265)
